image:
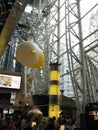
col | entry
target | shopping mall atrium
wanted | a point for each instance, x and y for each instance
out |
(48, 56)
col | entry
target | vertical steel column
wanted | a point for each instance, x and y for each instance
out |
(54, 92)
(69, 53)
(82, 58)
(58, 33)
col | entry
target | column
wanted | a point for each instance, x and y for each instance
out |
(54, 91)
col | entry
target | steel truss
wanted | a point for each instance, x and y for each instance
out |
(61, 36)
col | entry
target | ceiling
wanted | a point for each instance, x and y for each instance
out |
(11, 13)
(5, 8)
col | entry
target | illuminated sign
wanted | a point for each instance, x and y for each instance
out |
(10, 81)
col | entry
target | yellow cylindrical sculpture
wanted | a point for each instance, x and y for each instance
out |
(55, 75)
(54, 91)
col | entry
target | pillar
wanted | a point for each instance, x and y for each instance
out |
(54, 91)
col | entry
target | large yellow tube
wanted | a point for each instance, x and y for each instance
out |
(54, 91)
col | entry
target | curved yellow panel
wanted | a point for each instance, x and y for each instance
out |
(54, 75)
(54, 90)
(40, 62)
(54, 111)
(2, 45)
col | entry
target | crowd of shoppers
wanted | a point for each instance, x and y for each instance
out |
(35, 122)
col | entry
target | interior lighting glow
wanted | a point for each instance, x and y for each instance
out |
(28, 9)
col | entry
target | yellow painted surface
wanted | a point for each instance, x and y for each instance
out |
(40, 62)
(54, 111)
(54, 75)
(54, 90)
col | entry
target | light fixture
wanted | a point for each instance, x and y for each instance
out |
(28, 9)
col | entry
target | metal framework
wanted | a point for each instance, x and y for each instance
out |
(58, 27)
